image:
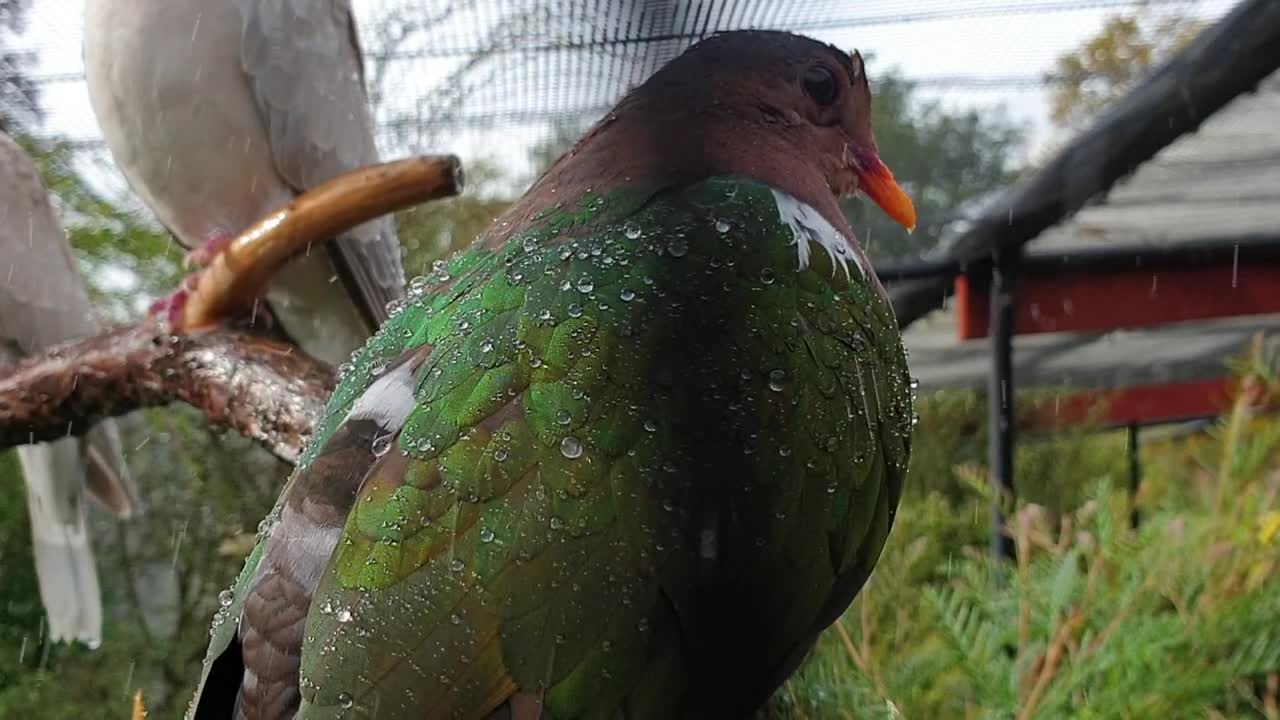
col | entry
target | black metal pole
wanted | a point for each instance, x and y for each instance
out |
(1135, 475)
(1000, 397)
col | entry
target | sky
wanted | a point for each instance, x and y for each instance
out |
(986, 40)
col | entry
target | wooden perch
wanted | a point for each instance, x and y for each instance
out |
(241, 271)
(260, 388)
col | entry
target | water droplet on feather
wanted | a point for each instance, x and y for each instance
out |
(777, 380)
(571, 447)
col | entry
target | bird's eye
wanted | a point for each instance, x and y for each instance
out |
(821, 85)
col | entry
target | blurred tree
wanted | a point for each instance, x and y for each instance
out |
(19, 99)
(437, 230)
(161, 572)
(391, 31)
(1112, 62)
(562, 135)
(126, 259)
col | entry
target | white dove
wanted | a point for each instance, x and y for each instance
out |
(42, 303)
(221, 112)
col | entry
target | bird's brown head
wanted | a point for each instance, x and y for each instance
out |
(785, 110)
(811, 98)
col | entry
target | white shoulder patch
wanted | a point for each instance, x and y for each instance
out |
(808, 226)
(388, 400)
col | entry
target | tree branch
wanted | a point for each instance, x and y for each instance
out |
(262, 389)
(243, 269)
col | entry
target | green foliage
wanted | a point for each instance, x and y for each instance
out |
(439, 229)
(123, 258)
(146, 262)
(1095, 620)
(161, 574)
(19, 602)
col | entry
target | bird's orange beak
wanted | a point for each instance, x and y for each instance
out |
(876, 181)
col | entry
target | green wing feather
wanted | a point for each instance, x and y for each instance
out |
(649, 460)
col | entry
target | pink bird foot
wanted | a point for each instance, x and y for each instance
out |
(169, 308)
(255, 317)
(207, 251)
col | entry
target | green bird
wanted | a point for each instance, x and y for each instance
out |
(624, 457)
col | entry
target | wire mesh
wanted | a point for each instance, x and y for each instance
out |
(497, 76)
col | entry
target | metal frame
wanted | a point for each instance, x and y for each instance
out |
(1248, 248)
(1135, 473)
(1003, 271)
(1000, 397)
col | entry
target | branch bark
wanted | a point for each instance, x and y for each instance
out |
(265, 390)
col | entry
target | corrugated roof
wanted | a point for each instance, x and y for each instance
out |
(1217, 185)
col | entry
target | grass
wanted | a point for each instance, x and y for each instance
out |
(1176, 619)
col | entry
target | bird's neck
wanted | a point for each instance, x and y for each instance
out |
(654, 145)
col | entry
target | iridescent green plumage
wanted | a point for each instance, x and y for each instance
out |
(648, 460)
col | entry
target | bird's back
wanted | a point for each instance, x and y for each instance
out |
(647, 460)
